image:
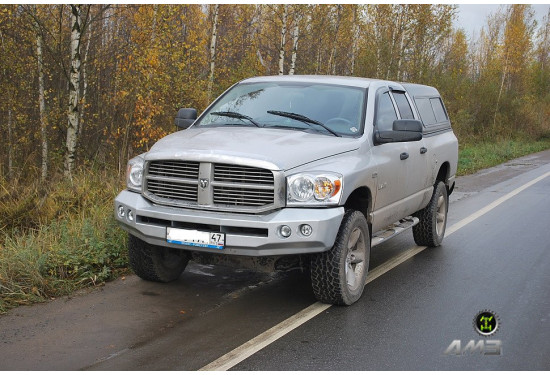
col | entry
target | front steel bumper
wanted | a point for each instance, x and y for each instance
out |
(245, 234)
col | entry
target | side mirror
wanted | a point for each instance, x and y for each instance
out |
(185, 117)
(403, 131)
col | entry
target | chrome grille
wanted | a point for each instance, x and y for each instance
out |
(242, 196)
(173, 190)
(174, 168)
(229, 187)
(173, 179)
(240, 174)
(237, 185)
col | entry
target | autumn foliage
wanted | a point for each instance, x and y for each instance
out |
(140, 64)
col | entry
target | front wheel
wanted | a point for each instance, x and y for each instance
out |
(155, 263)
(338, 275)
(433, 218)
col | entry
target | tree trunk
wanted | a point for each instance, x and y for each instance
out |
(42, 105)
(355, 40)
(213, 51)
(500, 91)
(295, 37)
(318, 65)
(378, 41)
(261, 59)
(10, 144)
(74, 90)
(331, 62)
(84, 82)
(401, 53)
(10, 125)
(392, 48)
(283, 40)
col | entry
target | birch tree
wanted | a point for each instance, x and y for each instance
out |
(331, 61)
(84, 81)
(295, 36)
(355, 39)
(215, 10)
(74, 89)
(42, 102)
(283, 39)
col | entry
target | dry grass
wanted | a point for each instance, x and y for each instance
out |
(56, 239)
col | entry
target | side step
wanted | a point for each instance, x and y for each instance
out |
(393, 230)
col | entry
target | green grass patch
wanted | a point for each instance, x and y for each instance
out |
(69, 242)
(473, 157)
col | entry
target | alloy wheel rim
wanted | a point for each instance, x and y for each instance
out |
(355, 259)
(441, 215)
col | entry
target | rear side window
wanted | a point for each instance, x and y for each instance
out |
(385, 113)
(440, 115)
(403, 105)
(426, 111)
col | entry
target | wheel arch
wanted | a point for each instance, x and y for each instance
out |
(443, 175)
(361, 200)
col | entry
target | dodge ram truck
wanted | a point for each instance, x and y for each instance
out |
(281, 170)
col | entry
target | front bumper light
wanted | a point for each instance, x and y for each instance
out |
(134, 173)
(314, 189)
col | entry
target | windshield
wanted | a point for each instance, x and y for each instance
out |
(338, 108)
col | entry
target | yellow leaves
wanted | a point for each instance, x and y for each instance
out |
(6, 11)
(123, 93)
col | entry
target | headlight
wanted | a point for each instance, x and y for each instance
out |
(134, 173)
(314, 189)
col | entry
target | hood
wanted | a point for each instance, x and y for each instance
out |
(277, 149)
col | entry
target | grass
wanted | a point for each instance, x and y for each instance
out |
(55, 241)
(477, 156)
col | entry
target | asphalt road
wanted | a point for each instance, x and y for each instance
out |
(406, 319)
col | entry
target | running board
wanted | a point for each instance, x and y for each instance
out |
(393, 230)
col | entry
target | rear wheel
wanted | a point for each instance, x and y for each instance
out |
(338, 275)
(433, 218)
(155, 263)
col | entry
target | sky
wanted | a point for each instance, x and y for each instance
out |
(473, 17)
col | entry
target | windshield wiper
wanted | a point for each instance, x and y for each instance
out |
(304, 119)
(240, 116)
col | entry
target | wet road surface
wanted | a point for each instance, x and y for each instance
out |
(405, 320)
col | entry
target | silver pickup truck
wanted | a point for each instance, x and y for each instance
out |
(281, 170)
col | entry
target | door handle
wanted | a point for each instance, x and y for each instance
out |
(404, 155)
(423, 150)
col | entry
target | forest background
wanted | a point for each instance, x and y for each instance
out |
(86, 87)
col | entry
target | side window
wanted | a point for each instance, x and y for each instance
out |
(385, 113)
(403, 105)
(439, 111)
(426, 112)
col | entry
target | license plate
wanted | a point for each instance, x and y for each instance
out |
(197, 238)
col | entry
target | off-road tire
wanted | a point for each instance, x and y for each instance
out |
(328, 269)
(431, 228)
(156, 263)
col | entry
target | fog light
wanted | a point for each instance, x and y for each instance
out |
(120, 211)
(285, 231)
(130, 215)
(306, 230)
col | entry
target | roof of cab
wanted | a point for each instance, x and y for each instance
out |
(415, 90)
(335, 80)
